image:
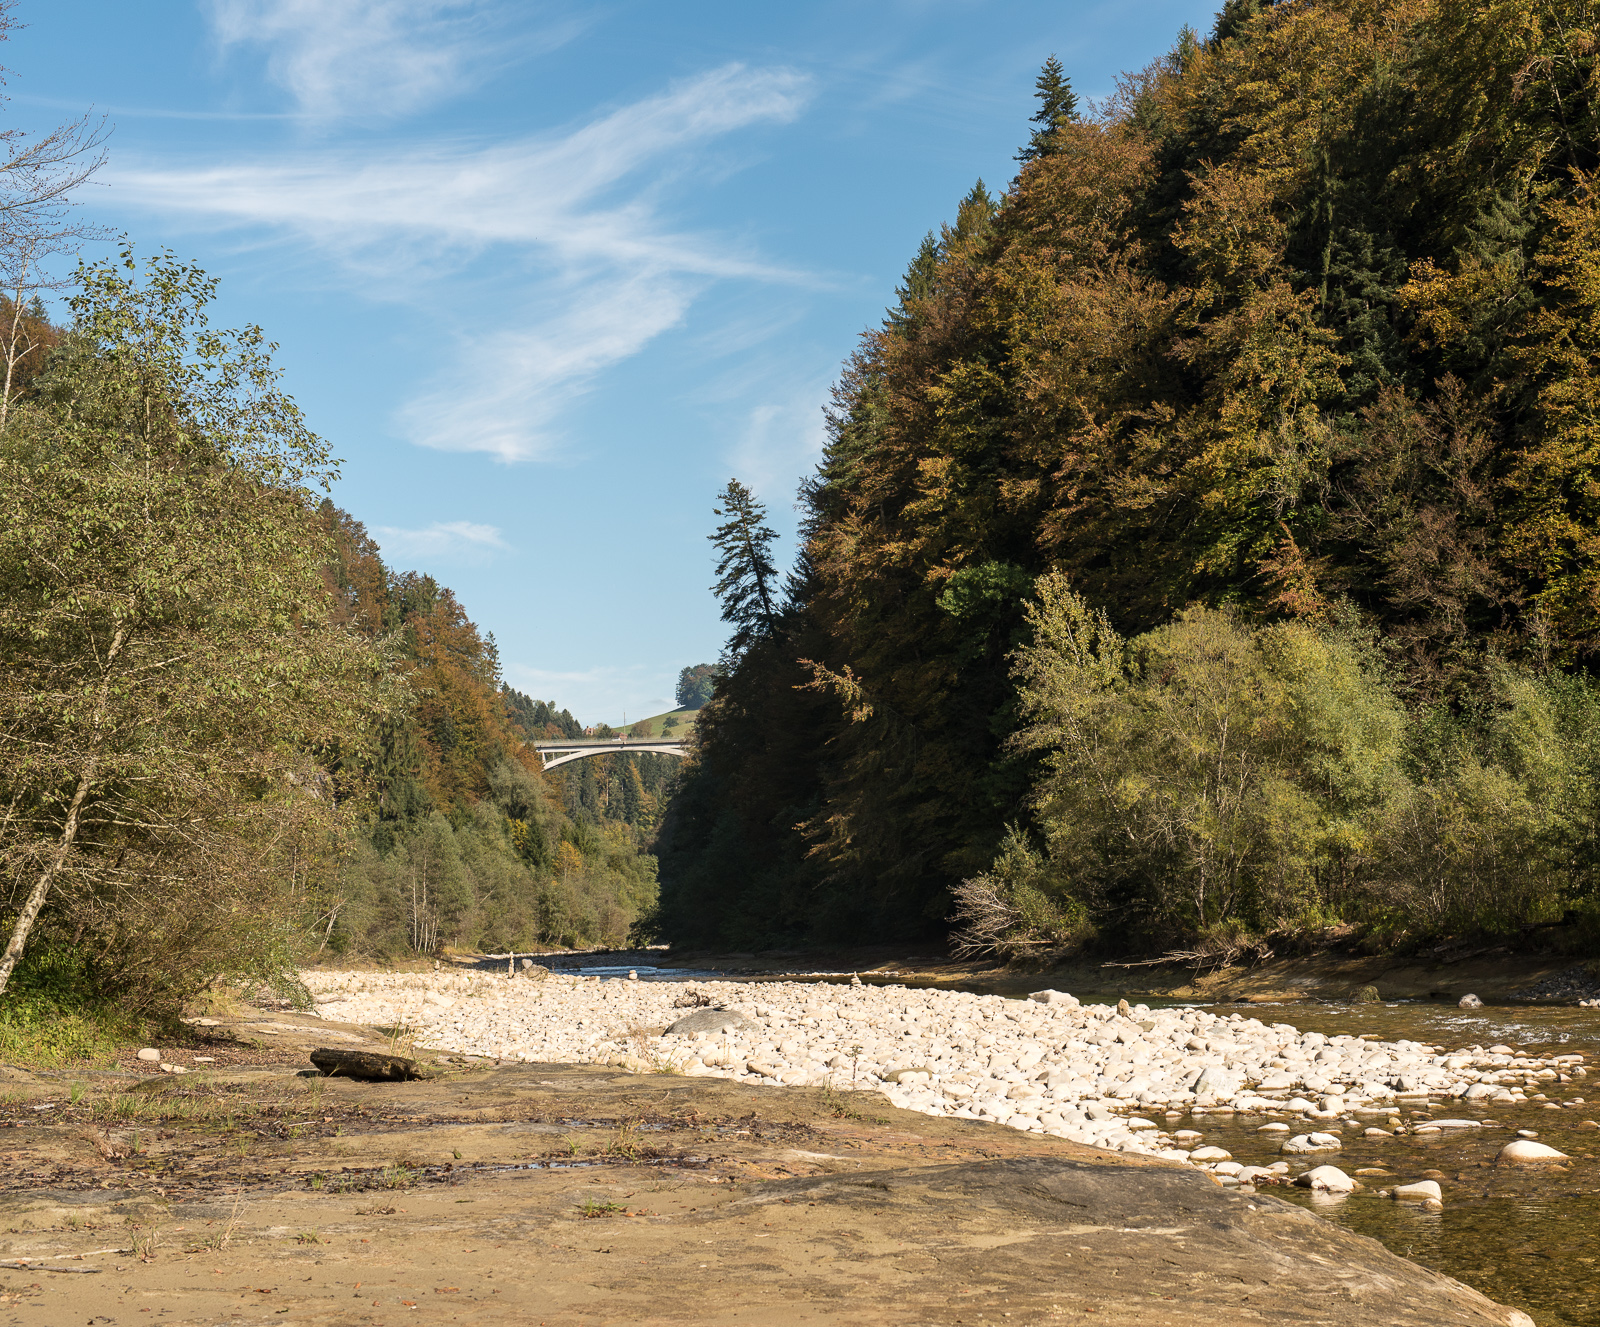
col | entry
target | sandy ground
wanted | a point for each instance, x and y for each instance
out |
(549, 1194)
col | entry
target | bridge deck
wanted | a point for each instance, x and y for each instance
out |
(609, 743)
(555, 753)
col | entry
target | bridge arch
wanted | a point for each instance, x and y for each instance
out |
(556, 754)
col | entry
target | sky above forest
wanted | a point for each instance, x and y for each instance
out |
(546, 276)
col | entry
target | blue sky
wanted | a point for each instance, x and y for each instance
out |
(547, 275)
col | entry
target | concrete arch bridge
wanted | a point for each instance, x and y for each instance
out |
(561, 753)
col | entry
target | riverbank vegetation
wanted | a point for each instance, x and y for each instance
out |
(231, 739)
(1206, 541)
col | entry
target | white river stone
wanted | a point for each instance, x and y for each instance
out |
(1090, 1073)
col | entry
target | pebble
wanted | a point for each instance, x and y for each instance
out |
(1097, 1074)
(1328, 1178)
(1522, 1149)
(150, 1055)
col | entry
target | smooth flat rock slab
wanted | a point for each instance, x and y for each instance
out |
(565, 1196)
(712, 1020)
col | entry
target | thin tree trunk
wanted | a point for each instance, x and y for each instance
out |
(41, 888)
(69, 831)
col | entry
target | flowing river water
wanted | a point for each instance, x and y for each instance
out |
(1528, 1236)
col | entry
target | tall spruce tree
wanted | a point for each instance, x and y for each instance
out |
(745, 571)
(918, 285)
(1058, 105)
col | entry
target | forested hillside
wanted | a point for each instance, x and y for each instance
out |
(230, 737)
(465, 841)
(1206, 542)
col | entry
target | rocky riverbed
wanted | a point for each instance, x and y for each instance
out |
(1106, 1075)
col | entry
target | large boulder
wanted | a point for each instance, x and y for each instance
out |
(1329, 1179)
(1054, 997)
(1423, 1191)
(712, 1020)
(1523, 1151)
(1313, 1142)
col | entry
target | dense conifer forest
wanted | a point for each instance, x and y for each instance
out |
(1206, 542)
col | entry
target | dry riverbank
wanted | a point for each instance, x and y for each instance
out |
(575, 1195)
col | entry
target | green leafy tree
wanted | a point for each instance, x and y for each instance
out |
(172, 671)
(696, 686)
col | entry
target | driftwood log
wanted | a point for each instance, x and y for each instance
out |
(368, 1066)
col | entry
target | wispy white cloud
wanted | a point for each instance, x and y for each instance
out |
(371, 57)
(503, 397)
(455, 540)
(780, 439)
(547, 191)
(570, 225)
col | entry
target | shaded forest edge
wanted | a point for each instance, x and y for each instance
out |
(1204, 553)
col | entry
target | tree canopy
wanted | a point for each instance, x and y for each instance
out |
(172, 675)
(696, 685)
(1297, 327)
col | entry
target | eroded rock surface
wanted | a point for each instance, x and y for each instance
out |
(566, 1194)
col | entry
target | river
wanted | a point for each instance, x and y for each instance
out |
(1526, 1236)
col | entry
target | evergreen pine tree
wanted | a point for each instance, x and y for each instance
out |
(745, 570)
(918, 285)
(1058, 105)
(1234, 17)
(975, 216)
